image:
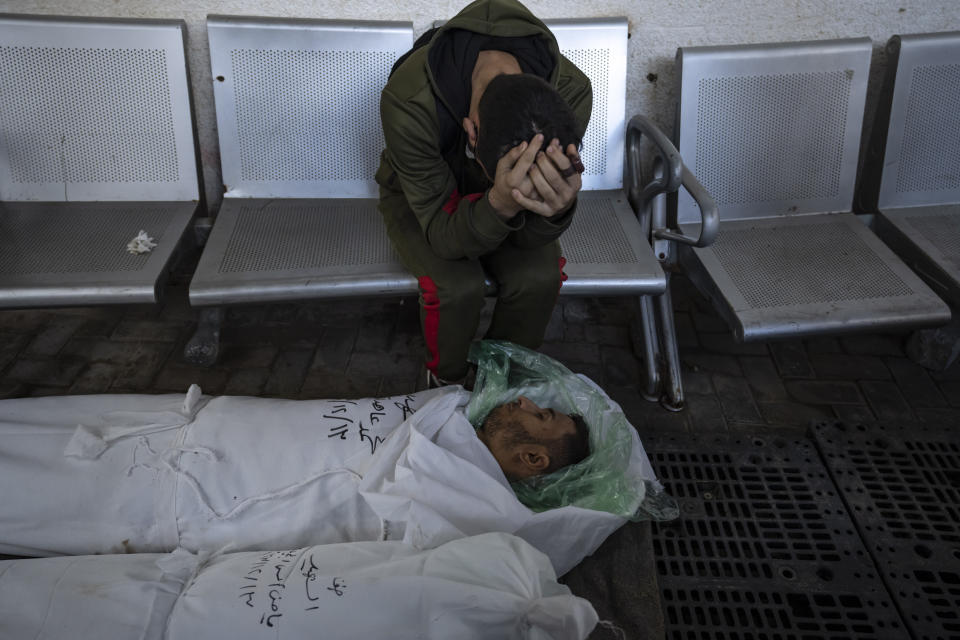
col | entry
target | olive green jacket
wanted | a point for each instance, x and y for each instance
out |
(414, 164)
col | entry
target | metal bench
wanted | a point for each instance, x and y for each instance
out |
(297, 111)
(599, 48)
(913, 171)
(773, 132)
(607, 251)
(96, 144)
(297, 105)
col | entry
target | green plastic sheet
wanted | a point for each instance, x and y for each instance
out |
(616, 477)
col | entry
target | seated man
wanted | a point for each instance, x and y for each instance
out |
(482, 121)
(529, 441)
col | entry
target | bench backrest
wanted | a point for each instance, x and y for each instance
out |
(298, 103)
(772, 129)
(598, 46)
(94, 109)
(922, 156)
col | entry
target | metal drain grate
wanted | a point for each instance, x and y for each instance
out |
(903, 491)
(763, 548)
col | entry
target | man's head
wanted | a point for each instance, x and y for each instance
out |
(529, 441)
(513, 108)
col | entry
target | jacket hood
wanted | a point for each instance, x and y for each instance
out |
(507, 18)
(504, 20)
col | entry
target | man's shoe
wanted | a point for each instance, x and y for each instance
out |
(429, 380)
(433, 382)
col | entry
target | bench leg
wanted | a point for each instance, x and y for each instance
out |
(672, 399)
(203, 349)
(649, 349)
(936, 348)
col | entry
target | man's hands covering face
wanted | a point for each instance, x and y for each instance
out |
(530, 179)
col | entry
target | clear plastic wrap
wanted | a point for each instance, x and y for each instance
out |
(616, 477)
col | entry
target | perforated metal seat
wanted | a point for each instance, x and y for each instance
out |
(928, 239)
(773, 133)
(287, 131)
(607, 251)
(66, 253)
(914, 163)
(297, 105)
(96, 144)
(288, 249)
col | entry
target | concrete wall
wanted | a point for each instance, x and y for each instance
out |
(657, 28)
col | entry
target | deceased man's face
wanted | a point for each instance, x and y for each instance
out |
(518, 433)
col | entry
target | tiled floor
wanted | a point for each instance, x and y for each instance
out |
(369, 347)
(373, 347)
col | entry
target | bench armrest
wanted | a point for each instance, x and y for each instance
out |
(670, 173)
(666, 181)
(709, 215)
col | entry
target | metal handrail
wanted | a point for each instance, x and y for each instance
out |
(671, 173)
(667, 154)
(709, 215)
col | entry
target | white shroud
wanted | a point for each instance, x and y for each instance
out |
(149, 473)
(491, 586)
(152, 473)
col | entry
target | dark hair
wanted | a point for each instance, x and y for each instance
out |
(516, 107)
(570, 448)
(564, 450)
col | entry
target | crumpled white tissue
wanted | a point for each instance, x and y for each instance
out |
(141, 244)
